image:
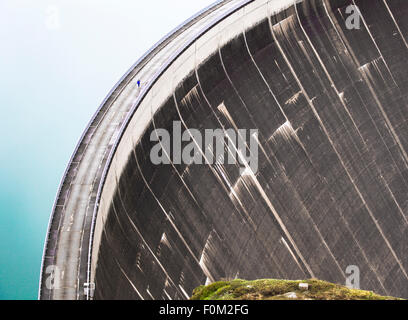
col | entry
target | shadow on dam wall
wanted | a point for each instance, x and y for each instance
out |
(331, 191)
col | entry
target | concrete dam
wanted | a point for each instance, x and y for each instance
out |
(325, 85)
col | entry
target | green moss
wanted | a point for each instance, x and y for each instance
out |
(272, 289)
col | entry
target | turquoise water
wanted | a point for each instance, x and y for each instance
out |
(57, 62)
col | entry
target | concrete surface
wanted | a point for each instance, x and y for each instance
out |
(331, 191)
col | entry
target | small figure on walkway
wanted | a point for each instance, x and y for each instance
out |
(138, 83)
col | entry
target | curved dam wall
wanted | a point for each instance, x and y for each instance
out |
(330, 186)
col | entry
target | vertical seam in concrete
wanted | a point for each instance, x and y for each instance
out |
(395, 22)
(128, 279)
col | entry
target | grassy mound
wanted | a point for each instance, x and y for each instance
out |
(270, 289)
